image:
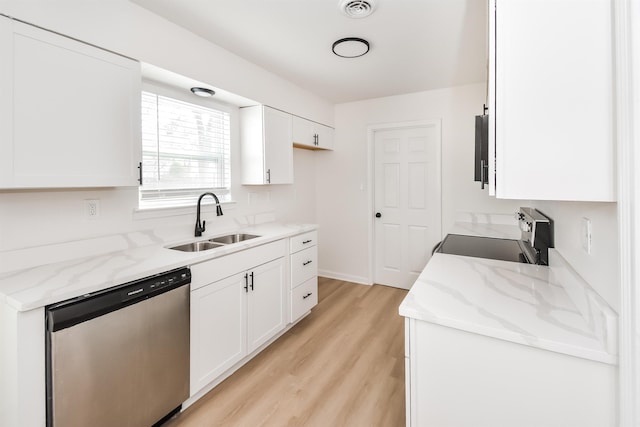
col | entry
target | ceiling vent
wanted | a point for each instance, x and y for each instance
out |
(357, 8)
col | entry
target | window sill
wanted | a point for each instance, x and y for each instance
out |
(168, 211)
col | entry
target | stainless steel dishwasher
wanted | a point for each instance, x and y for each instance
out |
(119, 357)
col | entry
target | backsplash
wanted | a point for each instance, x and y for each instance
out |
(31, 219)
(600, 268)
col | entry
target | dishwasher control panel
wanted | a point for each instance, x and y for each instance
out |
(86, 307)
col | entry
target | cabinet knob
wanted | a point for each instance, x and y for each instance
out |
(378, 215)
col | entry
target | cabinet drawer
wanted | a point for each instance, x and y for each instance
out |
(304, 266)
(304, 298)
(304, 241)
(224, 266)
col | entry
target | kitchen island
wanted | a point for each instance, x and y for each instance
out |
(493, 342)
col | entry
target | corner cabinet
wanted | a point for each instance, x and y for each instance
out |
(238, 303)
(265, 146)
(550, 98)
(311, 135)
(69, 112)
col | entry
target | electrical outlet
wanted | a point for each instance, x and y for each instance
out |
(92, 208)
(585, 235)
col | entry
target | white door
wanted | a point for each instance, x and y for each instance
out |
(406, 201)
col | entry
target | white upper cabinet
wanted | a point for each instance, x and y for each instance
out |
(69, 112)
(266, 149)
(311, 135)
(550, 86)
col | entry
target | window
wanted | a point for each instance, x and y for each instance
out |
(185, 152)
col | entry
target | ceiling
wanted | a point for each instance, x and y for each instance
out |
(416, 45)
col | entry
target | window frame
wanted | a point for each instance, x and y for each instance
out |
(185, 95)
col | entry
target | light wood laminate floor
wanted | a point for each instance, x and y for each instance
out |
(343, 365)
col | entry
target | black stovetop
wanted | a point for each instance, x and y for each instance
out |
(482, 247)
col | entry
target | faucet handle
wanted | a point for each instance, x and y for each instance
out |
(203, 225)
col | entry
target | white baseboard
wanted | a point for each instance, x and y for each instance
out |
(346, 277)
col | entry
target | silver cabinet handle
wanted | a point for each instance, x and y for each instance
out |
(269, 176)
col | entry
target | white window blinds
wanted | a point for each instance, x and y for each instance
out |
(185, 151)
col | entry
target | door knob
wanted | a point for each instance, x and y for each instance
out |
(378, 215)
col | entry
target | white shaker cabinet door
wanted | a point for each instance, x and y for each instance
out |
(278, 148)
(325, 137)
(266, 149)
(311, 135)
(266, 303)
(70, 112)
(303, 132)
(553, 99)
(218, 329)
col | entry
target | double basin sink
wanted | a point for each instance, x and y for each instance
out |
(216, 242)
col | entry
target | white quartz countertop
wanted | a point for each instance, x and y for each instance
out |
(35, 287)
(548, 307)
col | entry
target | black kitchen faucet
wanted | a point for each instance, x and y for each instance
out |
(201, 228)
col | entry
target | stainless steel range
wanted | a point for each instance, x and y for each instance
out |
(532, 248)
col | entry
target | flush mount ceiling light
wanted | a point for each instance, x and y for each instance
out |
(201, 91)
(357, 8)
(350, 47)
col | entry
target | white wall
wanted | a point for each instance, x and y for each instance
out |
(342, 186)
(600, 268)
(33, 218)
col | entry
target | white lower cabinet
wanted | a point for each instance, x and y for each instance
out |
(304, 274)
(458, 378)
(233, 315)
(218, 325)
(303, 298)
(265, 303)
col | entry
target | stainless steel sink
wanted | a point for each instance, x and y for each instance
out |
(216, 242)
(204, 245)
(233, 238)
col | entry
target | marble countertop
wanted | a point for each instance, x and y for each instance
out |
(37, 286)
(548, 307)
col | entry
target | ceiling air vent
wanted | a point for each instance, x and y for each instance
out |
(357, 8)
